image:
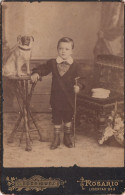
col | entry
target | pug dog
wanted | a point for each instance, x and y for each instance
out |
(19, 55)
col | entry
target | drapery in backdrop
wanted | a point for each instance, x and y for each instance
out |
(111, 32)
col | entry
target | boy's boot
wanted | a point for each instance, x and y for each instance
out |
(56, 140)
(67, 140)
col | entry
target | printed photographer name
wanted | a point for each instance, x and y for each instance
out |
(101, 183)
(98, 185)
(38, 183)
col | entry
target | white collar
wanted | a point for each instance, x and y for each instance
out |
(60, 60)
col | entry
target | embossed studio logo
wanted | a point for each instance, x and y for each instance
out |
(36, 182)
(99, 185)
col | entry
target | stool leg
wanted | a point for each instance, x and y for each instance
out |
(11, 137)
(28, 109)
(28, 118)
(28, 145)
(28, 101)
(21, 137)
(35, 125)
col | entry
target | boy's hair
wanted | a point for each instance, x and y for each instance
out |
(67, 40)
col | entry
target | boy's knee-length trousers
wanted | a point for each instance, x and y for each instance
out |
(60, 116)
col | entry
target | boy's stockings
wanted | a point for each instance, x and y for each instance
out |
(56, 140)
(66, 139)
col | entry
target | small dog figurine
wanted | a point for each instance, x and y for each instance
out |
(19, 56)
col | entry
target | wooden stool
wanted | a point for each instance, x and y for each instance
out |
(23, 99)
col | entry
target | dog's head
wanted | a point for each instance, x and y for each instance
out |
(25, 40)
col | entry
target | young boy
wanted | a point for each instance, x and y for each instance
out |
(64, 71)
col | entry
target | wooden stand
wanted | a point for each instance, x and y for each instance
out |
(23, 99)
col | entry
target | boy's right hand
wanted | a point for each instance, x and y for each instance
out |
(35, 77)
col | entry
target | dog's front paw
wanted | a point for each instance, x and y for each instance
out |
(17, 75)
(28, 73)
(21, 74)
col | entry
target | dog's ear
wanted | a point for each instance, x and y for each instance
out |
(32, 38)
(19, 39)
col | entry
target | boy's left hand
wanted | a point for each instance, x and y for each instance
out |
(76, 89)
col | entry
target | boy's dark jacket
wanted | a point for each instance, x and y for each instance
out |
(59, 99)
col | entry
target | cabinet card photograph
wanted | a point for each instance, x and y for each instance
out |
(63, 84)
(62, 97)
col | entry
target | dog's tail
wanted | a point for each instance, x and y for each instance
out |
(10, 52)
(13, 48)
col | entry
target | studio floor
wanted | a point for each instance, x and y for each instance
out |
(86, 153)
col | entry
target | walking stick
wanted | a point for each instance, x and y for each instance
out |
(74, 121)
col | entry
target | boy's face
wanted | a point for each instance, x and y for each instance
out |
(65, 50)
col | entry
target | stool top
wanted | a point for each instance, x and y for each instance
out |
(25, 77)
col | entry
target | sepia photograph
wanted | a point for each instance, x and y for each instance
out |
(63, 84)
